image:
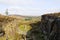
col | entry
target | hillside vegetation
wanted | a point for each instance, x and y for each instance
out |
(16, 27)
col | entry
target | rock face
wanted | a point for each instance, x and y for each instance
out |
(47, 29)
(50, 27)
(35, 33)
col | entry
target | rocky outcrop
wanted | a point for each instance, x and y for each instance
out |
(46, 29)
(50, 25)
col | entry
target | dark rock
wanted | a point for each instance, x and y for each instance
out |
(49, 26)
(47, 29)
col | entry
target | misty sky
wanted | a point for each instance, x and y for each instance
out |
(29, 7)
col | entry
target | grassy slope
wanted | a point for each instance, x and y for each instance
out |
(15, 26)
